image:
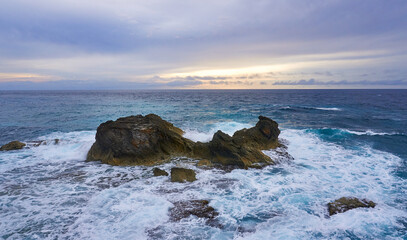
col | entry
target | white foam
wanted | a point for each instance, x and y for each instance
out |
(71, 146)
(50, 192)
(329, 109)
(369, 133)
(205, 136)
(121, 213)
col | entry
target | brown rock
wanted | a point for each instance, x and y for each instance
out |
(159, 172)
(14, 145)
(149, 140)
(182, 175)
(204, 163)
(243, 150)
(138, 140)
(347, 203)
(198, 208)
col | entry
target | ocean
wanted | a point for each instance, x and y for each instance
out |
(343, 143)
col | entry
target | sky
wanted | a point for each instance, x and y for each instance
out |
(212, 44)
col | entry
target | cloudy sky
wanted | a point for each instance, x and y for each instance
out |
(131, 44)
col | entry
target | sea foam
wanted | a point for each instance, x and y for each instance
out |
(60, 196)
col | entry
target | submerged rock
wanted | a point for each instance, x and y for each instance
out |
(159, 172)
(182, 175)
(14, 145)
(347, 203)
(198, 208)
(37, 143)
(149, 140)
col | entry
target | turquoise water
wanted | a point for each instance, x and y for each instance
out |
(344, 143)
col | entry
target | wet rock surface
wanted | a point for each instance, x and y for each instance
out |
(159, 172)
(198, 208)
(344, 204)
(14, 145)
(138, 140)
(182, 175)
(243, 149)
(150, 140)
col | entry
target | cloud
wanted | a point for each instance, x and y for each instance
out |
(77, 85)
(401, 82)
(188, 83)
(134, 40)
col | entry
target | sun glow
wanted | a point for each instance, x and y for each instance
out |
(232, 71)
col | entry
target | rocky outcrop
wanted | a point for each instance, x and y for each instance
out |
(182, 175)
(149, 140)
(198, 208)
(347, 203)
(159, 172)
(138, 140)
(14, 145)
(243, 149)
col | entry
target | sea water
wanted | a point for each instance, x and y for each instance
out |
(343, 143)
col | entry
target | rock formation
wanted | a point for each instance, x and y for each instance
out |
(243, 149)
(198, 208)
(182, 175)
(149, 140)
(347, 203)
(138, 140)
(14, 145)
(159, 172)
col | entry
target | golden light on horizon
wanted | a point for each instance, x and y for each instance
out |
(232, 71)
(5, 77)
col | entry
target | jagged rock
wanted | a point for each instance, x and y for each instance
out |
(14, 145)
(138, 140)
(243, 149)
(347, 203)
(182, 175)
(159, 172)
(149, 140)
(198, 208)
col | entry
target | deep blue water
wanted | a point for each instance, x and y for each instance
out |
(365, 130)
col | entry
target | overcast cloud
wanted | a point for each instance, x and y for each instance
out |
(203, 44)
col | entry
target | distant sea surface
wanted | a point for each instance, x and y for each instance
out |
(344, 143)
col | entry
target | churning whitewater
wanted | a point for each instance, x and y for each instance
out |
(60, 196)
(50, 192)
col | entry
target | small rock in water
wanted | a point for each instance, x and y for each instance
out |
(14, 145)
(159, 172)
(198, 208)
(182, 175)
(347, 203)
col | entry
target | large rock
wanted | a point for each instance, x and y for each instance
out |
(243, 149)
(138, 140)
(182, 175)
(14, 145)
(149, 140)
(347, 203)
